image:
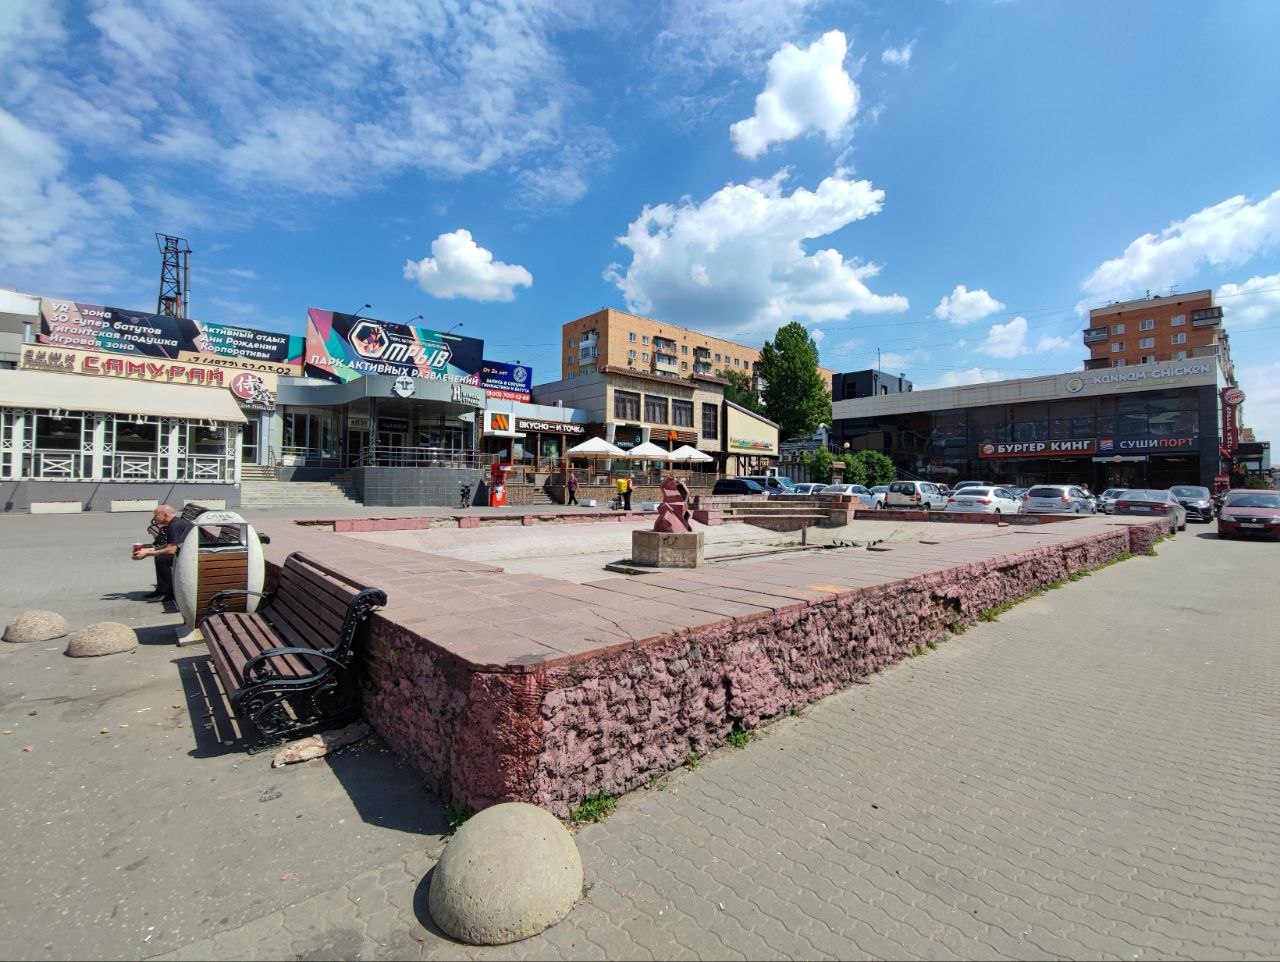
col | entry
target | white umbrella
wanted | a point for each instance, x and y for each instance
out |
(648, 452)
(596, 448)
(687, 453)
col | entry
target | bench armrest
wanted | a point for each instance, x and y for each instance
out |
(216, 602)
(253, 663)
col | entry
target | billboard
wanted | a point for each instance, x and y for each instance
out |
(507, 381)
(343, 347)
(89, 327)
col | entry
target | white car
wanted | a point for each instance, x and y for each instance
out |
(985, 501)
(864, 496)
(920, 495)
(1108, 499)
(879, 493)
(806, 487)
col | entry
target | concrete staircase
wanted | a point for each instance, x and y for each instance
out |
(257, 472)
(777, 514)
(271, 494)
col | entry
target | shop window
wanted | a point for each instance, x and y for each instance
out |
(1131, 416)
(655, 409)
(682, 414)
(710, 421)
(626, 406)
(58, 442)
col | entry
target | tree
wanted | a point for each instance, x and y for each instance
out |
(794, 393)
(877, 468)
(820, 466)
(855, 471)
(740, 391)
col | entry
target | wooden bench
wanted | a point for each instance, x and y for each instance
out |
(286, 669)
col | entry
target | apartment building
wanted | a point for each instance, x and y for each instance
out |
(616, 339)
(1176, 327)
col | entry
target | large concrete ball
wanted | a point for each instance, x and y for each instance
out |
(104, 638)
(33, 626)
(509, 872)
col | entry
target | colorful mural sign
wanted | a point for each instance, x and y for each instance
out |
(89, 327)
(510, 382)
(343, 347)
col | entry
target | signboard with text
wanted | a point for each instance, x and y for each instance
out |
(1037, 449)
(509, 382)
(343, 347)
(88, 327)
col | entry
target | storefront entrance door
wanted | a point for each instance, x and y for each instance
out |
(249, 442)
(391, 445)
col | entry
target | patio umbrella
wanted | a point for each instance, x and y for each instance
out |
(687, 453)
(596, 448)
(648, 452)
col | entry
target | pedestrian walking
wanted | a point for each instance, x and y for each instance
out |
(572, 487)
(624, 486)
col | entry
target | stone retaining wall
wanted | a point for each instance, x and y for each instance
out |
(613, 719)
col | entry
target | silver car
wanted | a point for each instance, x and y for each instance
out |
(1058, 499)
(1107, 500)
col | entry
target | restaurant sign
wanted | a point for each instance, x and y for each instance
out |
(750, 444)
(1037, 449)
(255, 390)
(549, 427)
(1183, 443)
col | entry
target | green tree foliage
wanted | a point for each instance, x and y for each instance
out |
(740, 391)
(876, 468)
(819, 462)
(855, 471)
(794, 393)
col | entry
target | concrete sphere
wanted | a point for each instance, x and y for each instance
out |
(509, 872)
(35, 626)
(104, 638)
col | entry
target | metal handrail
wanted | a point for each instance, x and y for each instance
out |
(422, 457)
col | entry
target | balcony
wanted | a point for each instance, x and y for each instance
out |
(665, 362)
(702, 352)
(701, 367)
(1093, 335)
(1206, 317)
(588, 352)
(665, 344)
(1097, 364)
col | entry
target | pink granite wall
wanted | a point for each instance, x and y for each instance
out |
(610, 722)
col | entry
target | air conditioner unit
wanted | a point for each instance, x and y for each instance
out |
(559, 402)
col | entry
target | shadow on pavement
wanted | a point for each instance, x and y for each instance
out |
(212, 726)
(386, 791)
(422, 910)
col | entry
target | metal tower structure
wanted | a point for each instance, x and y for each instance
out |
(175, 276)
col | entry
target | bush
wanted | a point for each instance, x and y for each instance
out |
(876, 468)
(820, 466)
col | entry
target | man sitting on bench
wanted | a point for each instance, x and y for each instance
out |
(175, 528)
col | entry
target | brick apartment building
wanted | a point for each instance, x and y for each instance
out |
(616, 339)
(1177, 327)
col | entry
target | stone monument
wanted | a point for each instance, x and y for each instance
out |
(672, 543)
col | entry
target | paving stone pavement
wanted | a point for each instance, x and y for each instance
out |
(1092, 776)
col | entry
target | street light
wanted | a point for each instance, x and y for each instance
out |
(363, 307)
(454, 328)
(417, 317)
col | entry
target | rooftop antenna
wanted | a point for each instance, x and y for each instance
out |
(175, 276)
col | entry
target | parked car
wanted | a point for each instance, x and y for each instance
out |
(1058, 499)
(971, 484)
(1197, 500)
(1246, 512)
(915, 494)
(1107, 500)
(880, 492)
(807, 487)
(1152, 503)
(772, 483)
(985, 501)
(737, 486)
(856, 490)
(943, 489)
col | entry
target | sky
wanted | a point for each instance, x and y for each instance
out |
(945, 186)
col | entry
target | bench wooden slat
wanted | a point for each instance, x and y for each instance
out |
(298, 609)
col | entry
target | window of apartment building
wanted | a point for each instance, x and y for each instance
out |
(1115, 329)
(1119, 362)
(632, 337)
(710, 421)
(717, 358)
(735, 362)
(645, 339)
(1148, 359)
(1179, 355)
(644, 355)
(1117, 347)
(587, 369)
(569, 344)
(1180, 337)
(1178, 320)
(655, 409)
(568, 359)
(570, 375)
(626, 406)
(1147, 342)
(1147, 325)
(684, 348)
(632, 354)
(684, 365)
(682, 413)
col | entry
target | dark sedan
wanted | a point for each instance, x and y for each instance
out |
(1246, 512)
(1152, 503)
(1198, 501)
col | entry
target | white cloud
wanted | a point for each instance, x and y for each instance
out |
(705, 36)
(1224, 235)
(459, 267)
(806, 90)
(1251, 303)
(892, 361)
(973, 375)
(963, 306)
(898, 56)
(1010, 340)
(736, 262)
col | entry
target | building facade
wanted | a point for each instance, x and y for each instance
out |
(868, 383)
(1146, 425)
(610, 338)
(1149, 330)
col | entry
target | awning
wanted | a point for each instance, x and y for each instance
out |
(75, 392)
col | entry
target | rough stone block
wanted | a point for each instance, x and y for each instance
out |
(667, 549)
(526, 520)
(469, 521)
(709, 518)
(31, 626)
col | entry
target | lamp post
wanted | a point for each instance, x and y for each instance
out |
(362, 307)
(454, 328)
(409, 322)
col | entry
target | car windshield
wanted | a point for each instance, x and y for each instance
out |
(858, 489)
(975, 492)
(880, 489)
(1046, 492)
(1259, 500)
(1189, 491)
(1113, 492)
(836, 488)
(1143, 494)
(968, 484)
(752, 486)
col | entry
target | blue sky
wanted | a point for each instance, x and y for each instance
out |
(949, 183)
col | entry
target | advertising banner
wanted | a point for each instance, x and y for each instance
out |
(1037, 449)
(1148, 443)
(88, 327)
(1232, 398)
(343, 347)
(510, 382)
